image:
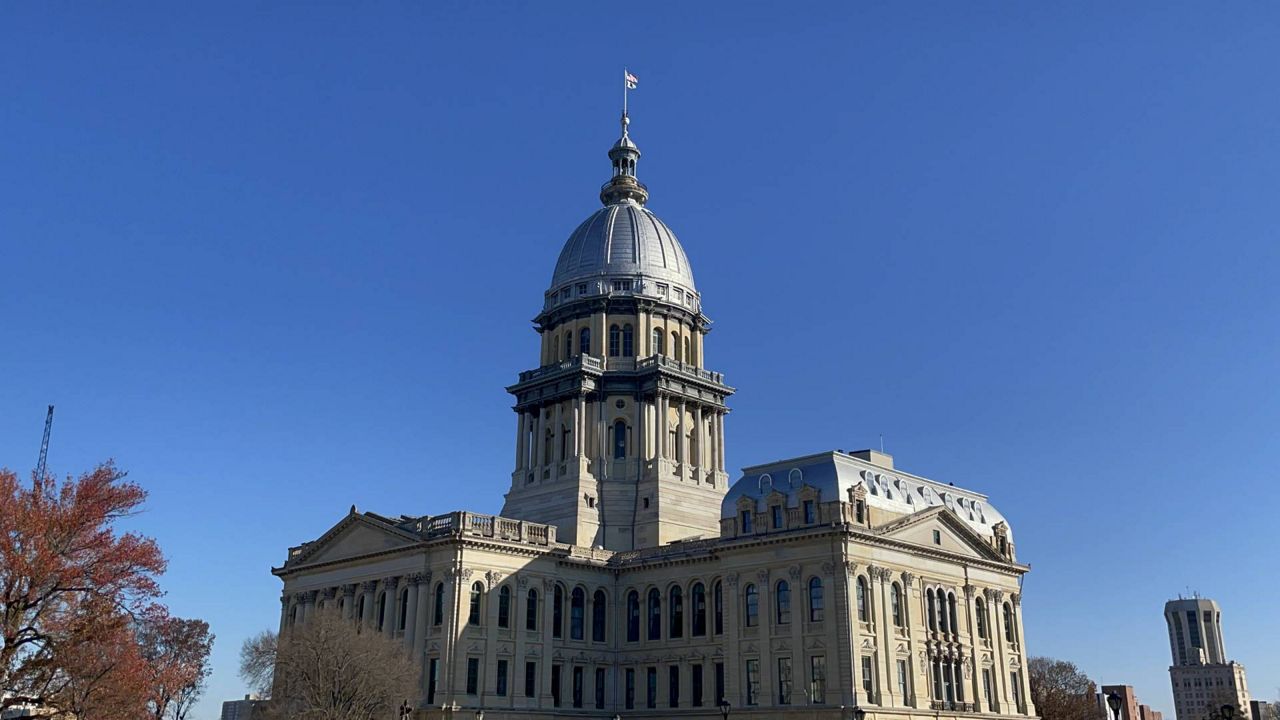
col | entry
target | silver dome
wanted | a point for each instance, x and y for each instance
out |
(623, 241)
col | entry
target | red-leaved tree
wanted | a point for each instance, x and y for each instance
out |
(176, 654)
(70, 582)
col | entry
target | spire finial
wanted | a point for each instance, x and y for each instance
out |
(624, 187)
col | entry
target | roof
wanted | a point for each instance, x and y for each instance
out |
(833, 473)
(624, 241)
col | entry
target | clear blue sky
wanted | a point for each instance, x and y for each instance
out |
(278, 258)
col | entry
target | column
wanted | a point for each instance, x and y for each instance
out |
(557, 441)
(300, 602)
(641, 434)
(539, 441)
(410, 609)
(682, 449)
(521, 435)
(392, 614)
(454, 655)
(370, 609)
(284, 612)
(1000, 673)
(734, 692)
(915, 629)
(884, 622)
(421, 581)
(720, 435)
(579, 430)
(348, 601)
(548, 648)
(799, 616)
(701, 443)
(975, 675)
(1024, 678)
(768, 618)
(661, 445)
(848, 624)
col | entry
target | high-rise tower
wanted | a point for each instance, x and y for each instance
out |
(620, 430)
(1203, 678)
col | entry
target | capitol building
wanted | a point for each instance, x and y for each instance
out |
(628, 576)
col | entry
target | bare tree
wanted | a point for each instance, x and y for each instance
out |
(327, 669)
(1060, 691)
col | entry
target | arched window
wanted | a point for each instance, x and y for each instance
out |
(698, 598)
(531, 610)
(943, 626)
(1008, 622)
(655, 614)
(477, 593)
(677, 612)
(577, 612)
(437, 612)
(619, 440)
(584, 341)
(816, 602)
(895, 599)
(568, 345)
(557, 612)
(717, 603)
(951, 604)
(504, 607)
(615, 341)
(361, 618)
(751, 605)
(688, 353)
(933, 615)
(628, 341)
(864, 614)
(782, 602)
(382, 610)
(403, 603)
(633, 616)
(599, 611)
(980, 611)
(675, 345)
(657, 341)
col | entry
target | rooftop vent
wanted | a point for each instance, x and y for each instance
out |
(875, 457)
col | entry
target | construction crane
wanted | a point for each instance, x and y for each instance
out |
(44, 445)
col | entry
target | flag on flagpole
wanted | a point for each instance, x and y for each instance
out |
(631, 80)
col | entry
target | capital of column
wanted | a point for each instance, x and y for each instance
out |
(349, 590)
(369, 586)
(311, 596)
(493, 577)
(330, 593)
(908, 579)
(391, 583)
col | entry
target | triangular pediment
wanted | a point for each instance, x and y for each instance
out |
(355, 536)
(952, 534)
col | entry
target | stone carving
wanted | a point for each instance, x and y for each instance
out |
(828, 568)
(907, 579)
(794, 572)
(732, 579)
(763, 576)
(390, 583)
(999, 596)
(548, 585)
(330, 593)
(493, 577)
(970, 591)
(989, 594)
(418, 578)
(968, 668)
(369, 586)
(522, 582)
(850, 568)
(348, 590)
(1016, 598)
(299, 597)
(463, 574)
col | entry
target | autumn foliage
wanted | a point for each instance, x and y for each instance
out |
(81, 628)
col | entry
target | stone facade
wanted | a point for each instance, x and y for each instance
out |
(625, 576)
(1203, 678)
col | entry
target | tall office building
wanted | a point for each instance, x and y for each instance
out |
(1203, 678)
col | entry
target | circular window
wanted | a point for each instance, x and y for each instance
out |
(620, 404)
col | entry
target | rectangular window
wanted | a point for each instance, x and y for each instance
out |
(631, 689)
(753, 682)
(673, 686)
(473, 676)
(433, 668)
(662, 290)
(651, 688)
(784, 681)
(745, 522)
(868, 678)
(695, 687)
(818, 679)
(500, 685)
(599, 688)
(937, 537)
(719, 684)
(902, 679)
(1014, 689)
(810, 516)
(564, 294)
(622, 286)
(578, 680)
(530, 679)
(582, 288)
(777, 516)
(555, 685)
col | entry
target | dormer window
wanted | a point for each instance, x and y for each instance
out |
(564, 294)
(745, 522)
(776, 511)
(810, 516)
(582, 288)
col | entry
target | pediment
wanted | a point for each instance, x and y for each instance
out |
(953, 535)
(355, 536)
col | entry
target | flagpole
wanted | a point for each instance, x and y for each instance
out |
(624, 90)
